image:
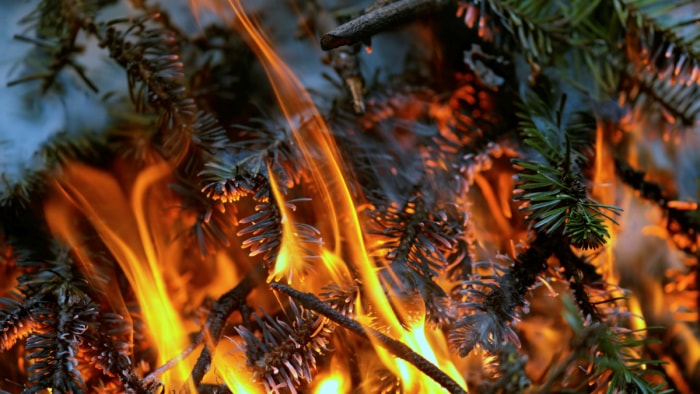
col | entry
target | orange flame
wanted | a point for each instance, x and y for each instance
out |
(604, 192)
(344, 241)
(141, 246)
(334, 382)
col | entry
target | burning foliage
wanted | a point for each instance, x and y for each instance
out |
(495, 202)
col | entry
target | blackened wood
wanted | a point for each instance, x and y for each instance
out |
(365, 26)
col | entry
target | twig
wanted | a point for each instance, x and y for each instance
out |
(153, 376)
(378, 20)
(579, 274)
(400, 350)
(223, 308)
(345, 61)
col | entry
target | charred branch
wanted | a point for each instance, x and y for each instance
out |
(397, 348)
(228, 303)
(362, 28)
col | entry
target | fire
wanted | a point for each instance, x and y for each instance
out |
(344, 240)
(234, 371)
(142, 247)
(333, 382)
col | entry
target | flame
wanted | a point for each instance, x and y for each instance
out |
(343, 240)
(334, 382)
(323, 160)
(234, 373)
(604, 192)
(142, 247)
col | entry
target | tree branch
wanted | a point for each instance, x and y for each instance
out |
(364, 27)
(231, 301)
(397, 348)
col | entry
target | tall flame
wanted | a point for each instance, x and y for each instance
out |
(345, 242)
(142, 247)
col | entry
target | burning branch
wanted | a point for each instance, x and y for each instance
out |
(222, 164)
(395, 347)
(228, 303)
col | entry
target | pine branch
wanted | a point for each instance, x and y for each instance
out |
(397, 348)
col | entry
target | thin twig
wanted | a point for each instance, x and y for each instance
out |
(365, 26)
(397, 348)
(223, 308)
(580, 274)
(345, 61)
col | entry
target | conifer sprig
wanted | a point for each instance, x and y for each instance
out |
(554, 191)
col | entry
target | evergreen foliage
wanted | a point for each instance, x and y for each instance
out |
(429, 158)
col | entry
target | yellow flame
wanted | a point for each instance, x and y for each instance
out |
(335, 382)
(142, 251)
(322, 158)
(234, 372)
(344, 241)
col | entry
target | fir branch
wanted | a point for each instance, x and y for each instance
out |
(54, 352)
(57, 24)
(420, 241)
(16, 320)
(284, 356)
(228, 303)
(64, 328)
(535, 25)
(63, 313)
(397, 348)
(618, 367)
(663, 48)
(213, 223)
(508, 371)
(486, 314)
(678, 102)
(106, 346)
(580, 275)
(488, 305)
(263, 231)
(258, 149)
(155, 78)
(341, 298)
(554, 192)
(663, 38)
(18, 194)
